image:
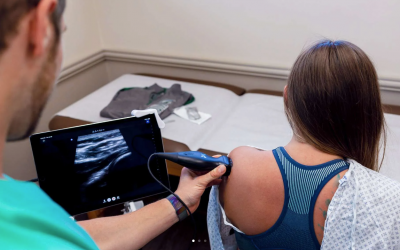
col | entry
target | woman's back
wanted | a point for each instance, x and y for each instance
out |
(256, 202)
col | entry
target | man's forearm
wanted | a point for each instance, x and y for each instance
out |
(134, 230)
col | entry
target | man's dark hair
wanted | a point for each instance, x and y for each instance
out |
(12, 11)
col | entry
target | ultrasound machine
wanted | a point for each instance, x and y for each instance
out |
(99, 165)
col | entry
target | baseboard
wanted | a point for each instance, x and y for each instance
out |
(241, 69)
(391, 85)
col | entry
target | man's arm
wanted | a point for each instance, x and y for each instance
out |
(134, 230)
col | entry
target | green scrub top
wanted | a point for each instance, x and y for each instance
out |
(29, 219)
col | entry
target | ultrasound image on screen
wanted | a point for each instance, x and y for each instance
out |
(96, 154)
(106, 159)
(109, 163)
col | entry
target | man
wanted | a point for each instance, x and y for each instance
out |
(30, 60)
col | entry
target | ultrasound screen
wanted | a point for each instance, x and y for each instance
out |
(99, 165)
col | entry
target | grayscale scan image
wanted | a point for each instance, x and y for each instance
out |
(96, 155)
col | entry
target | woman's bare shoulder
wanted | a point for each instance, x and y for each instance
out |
(253, 175)
(248, 161)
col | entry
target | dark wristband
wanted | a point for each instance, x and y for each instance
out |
(179, 208)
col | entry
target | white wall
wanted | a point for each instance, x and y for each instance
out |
(82, 38)
(252, 32)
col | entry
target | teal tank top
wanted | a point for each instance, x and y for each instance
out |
(294, 228)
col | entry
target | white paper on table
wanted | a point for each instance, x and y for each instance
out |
(181, 112)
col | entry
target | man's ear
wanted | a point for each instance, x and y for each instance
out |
(40, 29)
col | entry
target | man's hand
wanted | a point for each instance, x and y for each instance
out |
(192, 185)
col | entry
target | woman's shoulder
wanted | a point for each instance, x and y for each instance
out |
(247, 154)
(255, 180)
(249, 163)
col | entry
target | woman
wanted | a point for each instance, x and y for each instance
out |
(332, 102)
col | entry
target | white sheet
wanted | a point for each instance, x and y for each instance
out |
(258, 120)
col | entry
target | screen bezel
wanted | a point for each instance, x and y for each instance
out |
(41, 172)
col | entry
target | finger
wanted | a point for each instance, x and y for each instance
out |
(212, 175)
(214, 182)
(217, 156)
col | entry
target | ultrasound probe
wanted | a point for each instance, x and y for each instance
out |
(197, 161)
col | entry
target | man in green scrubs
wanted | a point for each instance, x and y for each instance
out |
(30, 60)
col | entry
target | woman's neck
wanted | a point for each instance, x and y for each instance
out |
(306, 154)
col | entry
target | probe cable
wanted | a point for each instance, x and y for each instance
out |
(183, 203)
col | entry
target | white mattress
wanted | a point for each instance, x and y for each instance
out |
(252, 119)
